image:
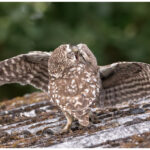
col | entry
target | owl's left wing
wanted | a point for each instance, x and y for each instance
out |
(124, 81)
(30, 68)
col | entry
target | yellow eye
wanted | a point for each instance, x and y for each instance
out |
(70, 55)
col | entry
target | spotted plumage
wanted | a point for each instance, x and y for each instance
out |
(74, 82)
(75, 91)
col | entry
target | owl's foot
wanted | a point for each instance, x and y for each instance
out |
(68, 124)
(66, 129)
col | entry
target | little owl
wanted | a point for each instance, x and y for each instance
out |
(74, 82)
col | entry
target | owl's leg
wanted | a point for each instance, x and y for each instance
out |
(68, 124)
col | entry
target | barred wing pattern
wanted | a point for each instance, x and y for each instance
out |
(121, 81)
(31, 68)
(124, 81)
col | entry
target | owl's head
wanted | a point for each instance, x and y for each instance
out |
(67, 56)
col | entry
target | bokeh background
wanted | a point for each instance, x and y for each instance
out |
(113, 31)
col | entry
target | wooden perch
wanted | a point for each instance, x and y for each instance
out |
(29, 121)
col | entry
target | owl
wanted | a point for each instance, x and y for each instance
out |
(69, 74)
(74, 82)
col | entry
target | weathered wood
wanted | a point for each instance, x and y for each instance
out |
(29, 121)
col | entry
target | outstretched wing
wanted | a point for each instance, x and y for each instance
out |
(30, 68)
(124, 81)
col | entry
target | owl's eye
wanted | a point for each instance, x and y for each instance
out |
(70, 55)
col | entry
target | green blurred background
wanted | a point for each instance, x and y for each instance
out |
(113, 31)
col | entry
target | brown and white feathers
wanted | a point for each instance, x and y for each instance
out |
(69, 75)
(124, 81)
(74, 80)
(31, 68)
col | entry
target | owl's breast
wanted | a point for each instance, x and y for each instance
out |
(77, 90)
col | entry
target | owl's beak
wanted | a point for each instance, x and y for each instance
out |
(75, 49)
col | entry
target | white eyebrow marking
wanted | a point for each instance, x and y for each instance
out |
(68, 48)
(79, 46)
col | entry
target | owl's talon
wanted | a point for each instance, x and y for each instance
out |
(64, 131)
(68, 124)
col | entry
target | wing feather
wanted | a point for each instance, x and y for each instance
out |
(31, 68)
(124, 81)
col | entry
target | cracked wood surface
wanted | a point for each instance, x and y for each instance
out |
(29, 121)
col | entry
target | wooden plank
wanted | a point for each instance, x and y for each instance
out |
(29, 121)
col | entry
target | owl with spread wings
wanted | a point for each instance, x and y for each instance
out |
(74, 82)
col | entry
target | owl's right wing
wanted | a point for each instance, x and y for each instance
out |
(30, 68)
(124, 81)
